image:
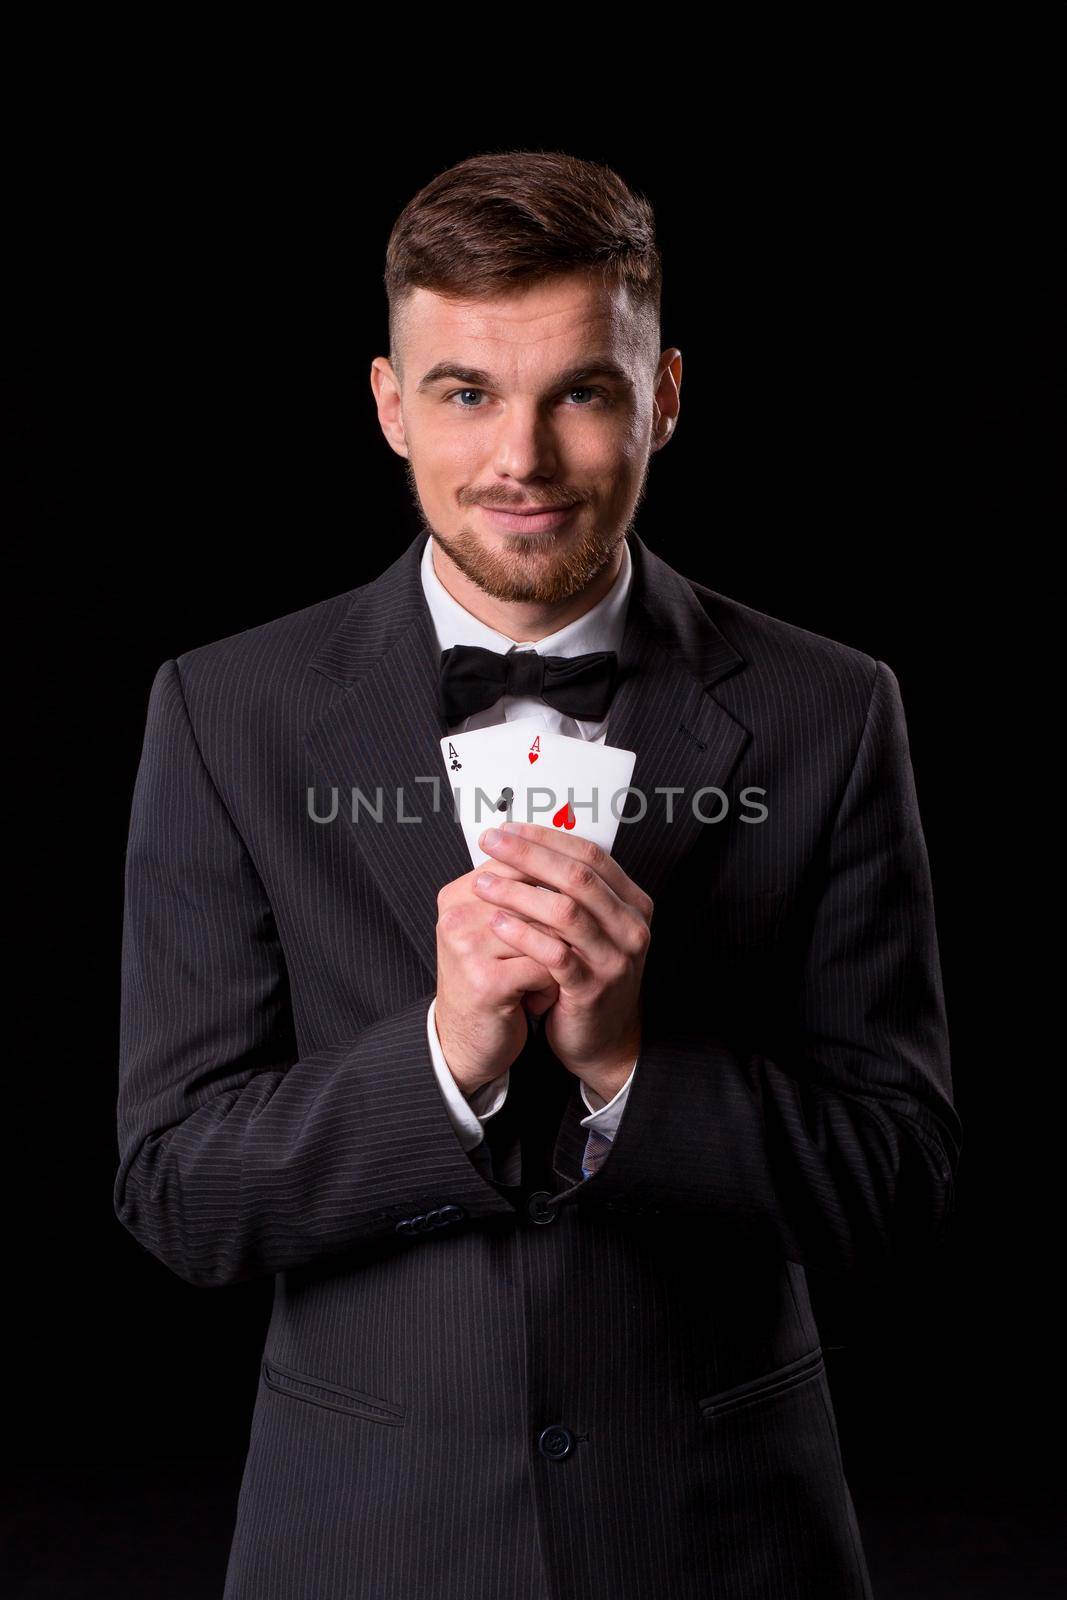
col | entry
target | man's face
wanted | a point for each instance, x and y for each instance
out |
(527, 424)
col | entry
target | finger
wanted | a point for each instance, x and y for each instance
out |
(538, 1001)
(557, 913)
(518, 974)
(584, 851)
(494, 933)
(553, 953)
(572, 872)
(505, 868)
(498, 948)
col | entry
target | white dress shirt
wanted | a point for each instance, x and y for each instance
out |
(600, 628)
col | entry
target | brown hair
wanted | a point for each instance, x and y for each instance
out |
(504, 219)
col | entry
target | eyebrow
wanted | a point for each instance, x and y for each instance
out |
(477, 377)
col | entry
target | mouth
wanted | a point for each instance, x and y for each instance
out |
(528, 519)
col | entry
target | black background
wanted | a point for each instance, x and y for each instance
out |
(860, 272)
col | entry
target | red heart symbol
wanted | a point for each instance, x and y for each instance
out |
(532, 756)
(564, 817)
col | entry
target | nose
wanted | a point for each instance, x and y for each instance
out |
(524, 446)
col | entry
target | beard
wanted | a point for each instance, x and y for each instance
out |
(542, 568)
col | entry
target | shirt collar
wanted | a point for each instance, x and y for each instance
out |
(600, 628)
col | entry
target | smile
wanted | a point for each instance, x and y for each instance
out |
(534, 520)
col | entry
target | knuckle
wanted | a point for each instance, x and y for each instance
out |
(591, 854)
(581, 875)
(568, 911)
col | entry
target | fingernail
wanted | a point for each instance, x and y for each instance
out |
(490, 836)
(485, 879)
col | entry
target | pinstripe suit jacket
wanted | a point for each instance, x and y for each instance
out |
(611, 1389)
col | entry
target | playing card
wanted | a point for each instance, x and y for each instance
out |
(489, 770)
(580, 788)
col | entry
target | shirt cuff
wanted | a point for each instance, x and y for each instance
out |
(606, 1114)
(466, 1112)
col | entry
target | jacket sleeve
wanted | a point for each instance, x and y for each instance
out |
(238, 1157)
(843, 1149)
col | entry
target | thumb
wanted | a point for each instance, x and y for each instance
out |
(538, 1001)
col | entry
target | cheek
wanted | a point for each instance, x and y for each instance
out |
(445, 458)
(638, 437)
(619, 456)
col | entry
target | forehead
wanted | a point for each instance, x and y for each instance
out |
(527, 327)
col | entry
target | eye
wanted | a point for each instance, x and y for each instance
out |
(460, 397)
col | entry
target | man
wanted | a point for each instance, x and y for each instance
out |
(538, 1196)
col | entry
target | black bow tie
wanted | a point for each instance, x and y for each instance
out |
(578, 686)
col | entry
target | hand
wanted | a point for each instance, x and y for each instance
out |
(592, 937)
(484, 989)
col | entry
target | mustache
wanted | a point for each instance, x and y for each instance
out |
(494, 501)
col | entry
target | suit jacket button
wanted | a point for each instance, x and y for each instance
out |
(555, 1443)
(539, 1207)
(405, 1225)
(451, 1213)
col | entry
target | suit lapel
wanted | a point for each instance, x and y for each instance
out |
(381, 734)
(683, 738)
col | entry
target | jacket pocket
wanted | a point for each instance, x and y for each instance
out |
(301, 1386)
(766, 1387)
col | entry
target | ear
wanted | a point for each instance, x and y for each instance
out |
(386, 389)
(666, 400)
